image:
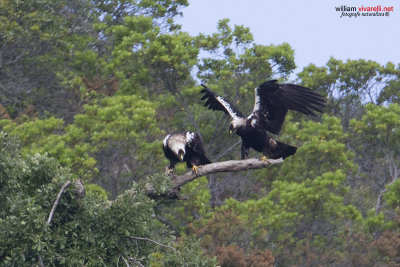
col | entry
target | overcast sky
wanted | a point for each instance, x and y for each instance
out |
(313, 28)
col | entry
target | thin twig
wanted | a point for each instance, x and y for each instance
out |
(138, 263)
(120, 256)
(155, 242)
(68, 183)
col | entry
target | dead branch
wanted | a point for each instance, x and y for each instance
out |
(224, 166)
(383, 191)
(394, 173)
(68, 183)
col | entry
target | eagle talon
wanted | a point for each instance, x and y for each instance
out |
(194, 169)
(264, 158)
(169, 171)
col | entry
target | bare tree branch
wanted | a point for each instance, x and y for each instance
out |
(383, 191)
(68, 183)
(41, 261)
(394, 174)
(224, 166)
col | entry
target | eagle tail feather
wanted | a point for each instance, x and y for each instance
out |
(204, 160)
(282, 150)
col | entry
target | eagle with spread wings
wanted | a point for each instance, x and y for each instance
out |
(272, 102)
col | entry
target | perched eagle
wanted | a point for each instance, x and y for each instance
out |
(186, 147)
(272, 102)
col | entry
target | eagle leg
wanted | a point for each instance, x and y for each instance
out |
(244, 151)
(169, 171)
(194, 169)
(264, 158)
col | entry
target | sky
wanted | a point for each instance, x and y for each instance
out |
(314, 29)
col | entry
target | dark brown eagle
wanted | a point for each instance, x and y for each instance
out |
(272, 102)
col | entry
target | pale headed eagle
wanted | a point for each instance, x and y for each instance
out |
(186, 147)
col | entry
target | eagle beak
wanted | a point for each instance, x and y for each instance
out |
(230, 131)
(181, 157)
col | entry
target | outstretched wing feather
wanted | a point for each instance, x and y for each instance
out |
(299, 98)
(273, 100)
(216, 102)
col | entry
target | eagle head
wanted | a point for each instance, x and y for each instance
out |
(231, 129)
(181, 154)
(236, 124)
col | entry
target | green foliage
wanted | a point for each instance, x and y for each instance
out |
(190, 254)
(194, 203)
(95, 191)
(120, 123)
(159, 184)
(37, 71)
(308, 193)
(350, 84)
(31, 133)
(392, 195)
(353, 78)
(235, 59)
(321, 149)
(91, 231)
(379, 129)
(118, 118)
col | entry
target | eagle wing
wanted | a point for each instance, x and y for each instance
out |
(216, 102)
(273, 100)
(194, 142)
